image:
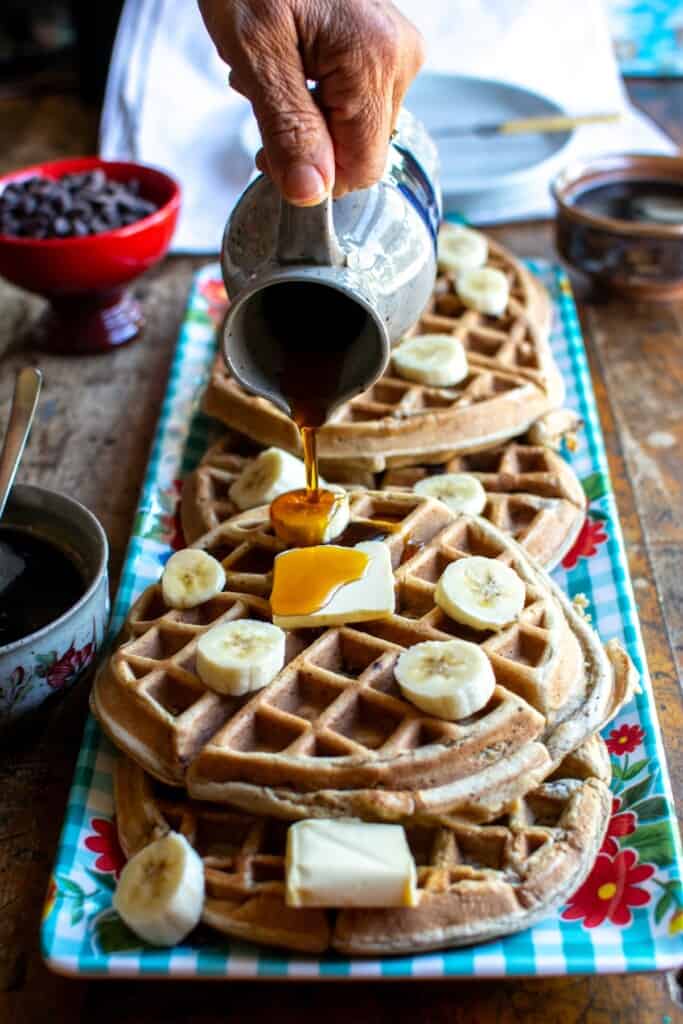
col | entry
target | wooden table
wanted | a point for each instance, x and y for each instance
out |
(91, 440)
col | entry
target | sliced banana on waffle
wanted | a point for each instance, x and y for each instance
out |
(190, 578)
(461, 248)
(160, 894)
(310, 521)
(438, 360)
(460, 492)
(485, 289)
(271, 473)
(339, 515)
(480, 592)
(240, 656)
(447, 678)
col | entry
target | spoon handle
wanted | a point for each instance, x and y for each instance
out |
(26, 391)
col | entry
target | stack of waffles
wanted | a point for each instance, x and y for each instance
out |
(504, 810)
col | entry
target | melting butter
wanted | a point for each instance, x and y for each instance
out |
(306, 578)
(331, 585)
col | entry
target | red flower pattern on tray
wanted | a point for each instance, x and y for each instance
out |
(591, 536)
(623, 824)
(625, 739)
(50, 898)
(213, 290)
(610, 891)
(105, 842)
(176, 538)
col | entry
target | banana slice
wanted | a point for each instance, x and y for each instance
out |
(448, 678)
(487, 290)
(435, 359)
(461, 492)
(461, 248)
(340, 515)
(272, 473)
(160, 894)
(480, 592)
(300, 521)
(190, 578)
(241, 656)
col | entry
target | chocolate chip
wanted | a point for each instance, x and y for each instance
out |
(76, 205)
(61, 227)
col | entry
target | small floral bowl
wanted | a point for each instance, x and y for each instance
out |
(53, 658)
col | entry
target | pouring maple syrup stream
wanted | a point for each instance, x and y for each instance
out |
(317, 327)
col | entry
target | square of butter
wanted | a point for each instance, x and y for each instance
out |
(348, 863)
(370, 597)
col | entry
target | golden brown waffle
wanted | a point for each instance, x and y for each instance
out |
(475, 881)
(332, 735)
(512, 381)
(533, 494)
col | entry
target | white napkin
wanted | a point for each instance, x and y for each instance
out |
(168, 101)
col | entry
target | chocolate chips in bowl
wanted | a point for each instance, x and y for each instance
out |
(78, 231)
(72, 206)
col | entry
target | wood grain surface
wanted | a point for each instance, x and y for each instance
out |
(92, 438)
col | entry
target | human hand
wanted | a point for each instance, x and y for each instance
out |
(362, 55)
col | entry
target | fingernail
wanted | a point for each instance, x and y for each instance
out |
(303, 183)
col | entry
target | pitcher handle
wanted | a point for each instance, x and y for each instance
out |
(306, 235)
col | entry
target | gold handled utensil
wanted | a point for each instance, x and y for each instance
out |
(525, 126)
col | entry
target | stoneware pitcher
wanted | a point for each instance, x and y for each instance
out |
(374, 249)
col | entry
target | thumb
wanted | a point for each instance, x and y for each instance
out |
(298, 147)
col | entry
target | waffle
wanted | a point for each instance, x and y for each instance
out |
(475, 881)
(533, 494)
(512, 381)
(332, 735)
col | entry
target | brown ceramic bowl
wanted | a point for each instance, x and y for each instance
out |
(642, 258)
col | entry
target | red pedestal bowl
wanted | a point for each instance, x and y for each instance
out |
(84, 279)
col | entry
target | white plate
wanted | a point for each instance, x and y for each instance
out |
(478, 167)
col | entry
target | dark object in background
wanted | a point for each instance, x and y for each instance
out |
(95, 23)
(57, 45)
(70, 207)
(37, 46)
(616, 222)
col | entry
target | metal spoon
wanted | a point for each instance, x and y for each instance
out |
(24, 402)
(26, 391)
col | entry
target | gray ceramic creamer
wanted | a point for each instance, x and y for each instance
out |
(375, 248)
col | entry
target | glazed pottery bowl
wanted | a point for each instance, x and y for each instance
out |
(50, 660)
(84, 279)
(641, 258)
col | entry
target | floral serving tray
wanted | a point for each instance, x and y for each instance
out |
(627, 916)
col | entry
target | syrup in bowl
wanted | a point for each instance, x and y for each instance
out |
(39, 582)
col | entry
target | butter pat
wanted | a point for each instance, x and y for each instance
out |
(355, 600)
(349, 864)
